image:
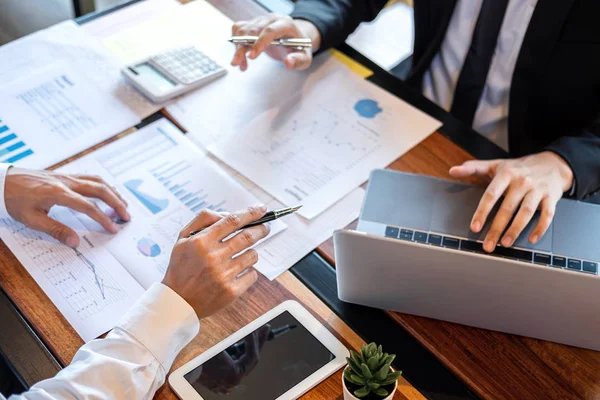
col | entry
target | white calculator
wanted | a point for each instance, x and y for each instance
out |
(172, 73)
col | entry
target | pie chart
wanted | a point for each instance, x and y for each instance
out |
(148, 248)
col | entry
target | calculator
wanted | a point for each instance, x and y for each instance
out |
(172, 73)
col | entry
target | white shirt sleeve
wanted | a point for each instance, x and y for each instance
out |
(3, 171)
(134, 358)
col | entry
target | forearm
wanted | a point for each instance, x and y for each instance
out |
(134, 358)
(336, 19)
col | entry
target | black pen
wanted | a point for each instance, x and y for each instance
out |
(269, 216)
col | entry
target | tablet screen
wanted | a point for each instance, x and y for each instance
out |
(264, 365)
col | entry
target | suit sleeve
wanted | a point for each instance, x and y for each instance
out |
(336, 19)
(582, 153)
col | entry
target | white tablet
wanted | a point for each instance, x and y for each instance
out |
(279, 356)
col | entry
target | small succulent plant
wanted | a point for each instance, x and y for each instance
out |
(371, 371)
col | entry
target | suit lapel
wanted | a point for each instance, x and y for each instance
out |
(538, 45)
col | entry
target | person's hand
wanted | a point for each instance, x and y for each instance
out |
(527, 183)
(203, 269)
(29, 195)
(272, 27)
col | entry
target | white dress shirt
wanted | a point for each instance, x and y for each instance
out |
(439, 82)
(134, 358)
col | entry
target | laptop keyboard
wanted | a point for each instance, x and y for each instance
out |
(463, 244)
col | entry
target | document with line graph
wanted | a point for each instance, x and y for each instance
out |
(321, 143)
(88, 285)
(166, 180)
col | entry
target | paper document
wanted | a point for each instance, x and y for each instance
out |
(89, 287)
(166, 182)
(301, 236)
(126, 17)
(389, 39)
(317, 146)
(195, 23)
(68, 43)
(53, 114)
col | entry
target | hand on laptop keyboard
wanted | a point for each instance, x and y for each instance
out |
(527, 183)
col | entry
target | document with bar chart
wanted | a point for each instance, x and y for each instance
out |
(166, 181)
(54, 114)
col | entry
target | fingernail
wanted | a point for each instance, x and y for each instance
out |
(476, 226)
(292, 62)
(261, 207)
(127, 216)
(507, 241)
(72, 241)
(535, 238)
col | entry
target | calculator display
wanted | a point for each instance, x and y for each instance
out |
(154, 76)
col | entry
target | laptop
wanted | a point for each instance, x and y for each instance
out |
(413, 252)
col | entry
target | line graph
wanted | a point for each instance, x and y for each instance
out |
(79, 276)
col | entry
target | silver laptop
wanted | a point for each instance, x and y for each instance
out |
(413, 252)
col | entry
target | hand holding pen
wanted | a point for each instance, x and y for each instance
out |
(268, 217)
(281, 37)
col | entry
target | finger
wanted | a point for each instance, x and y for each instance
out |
(58, 231)
(246, 238)
(245, 282)
(526, 211)
(244, 65)
(103, 192)
(277, 29)
(490, 197)
(239, 55)
(299, 60)
(242, 262)
(204, 219)
(235, 221)
(79, 203)
(98, 179)
(509, 206)
(474, 167)
(548, 209)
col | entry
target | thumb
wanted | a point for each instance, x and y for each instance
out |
(58, 231)
(298, 60)
(473, 167)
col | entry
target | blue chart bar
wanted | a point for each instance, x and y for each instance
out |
(20, 156)
(175, 177)
(7, 138)
(15, 149)
(10, 148)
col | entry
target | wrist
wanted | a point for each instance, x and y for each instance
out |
(310, 31)
(563, 168)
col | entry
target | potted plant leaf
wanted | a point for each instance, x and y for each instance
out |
(369, 375)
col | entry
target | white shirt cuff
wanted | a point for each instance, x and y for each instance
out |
(163, 322)
(3, 171)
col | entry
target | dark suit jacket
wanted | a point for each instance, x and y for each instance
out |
(555, 89)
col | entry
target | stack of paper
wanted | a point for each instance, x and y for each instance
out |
(166, 181)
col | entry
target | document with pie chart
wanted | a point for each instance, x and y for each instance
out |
(166, 180)
(318, 146)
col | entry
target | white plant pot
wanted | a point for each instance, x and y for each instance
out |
(350, 396)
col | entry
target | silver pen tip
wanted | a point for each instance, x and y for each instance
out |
(293, 209)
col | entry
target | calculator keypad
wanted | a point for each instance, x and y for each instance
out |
(187, 65)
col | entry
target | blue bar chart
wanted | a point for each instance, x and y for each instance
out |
(177, 178)
(12, 149)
